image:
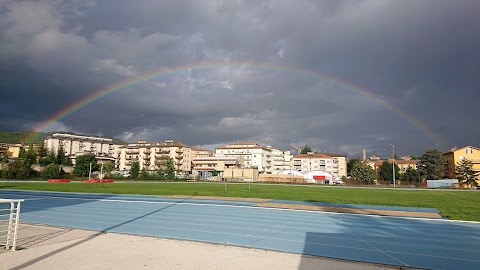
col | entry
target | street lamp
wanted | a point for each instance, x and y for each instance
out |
(393, 164)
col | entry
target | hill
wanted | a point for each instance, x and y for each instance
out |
(28, 137)
(23, 137)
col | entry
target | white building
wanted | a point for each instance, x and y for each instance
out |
(280, 160)
(149, 154)
(76, 145)
(331, 163)
(266, 158)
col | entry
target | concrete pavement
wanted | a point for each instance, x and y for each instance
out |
(47, 247)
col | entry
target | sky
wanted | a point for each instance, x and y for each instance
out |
(339, 76)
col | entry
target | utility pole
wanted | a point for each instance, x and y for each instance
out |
(393, 164)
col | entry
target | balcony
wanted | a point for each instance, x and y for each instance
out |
(158, 156)
(132, 151)
(179, 157)
(179, 163)
(164, 151)
(179, 151)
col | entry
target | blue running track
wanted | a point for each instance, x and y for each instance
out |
(422, 243)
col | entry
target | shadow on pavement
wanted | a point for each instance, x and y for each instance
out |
(397, 242)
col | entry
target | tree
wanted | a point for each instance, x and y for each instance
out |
(49, 159)
(410, 175)
(166, 168)
(61, 158)
(386, 172)
(29, 159)
(306, 149)
(42, 151)
(52, 171)
(144, 174)
(108, 167)
(15, 168)
(395, 156)
(465, 172)
(352, 163)
(82, 165)
(431, 164)
(364, 172)
(135, 170)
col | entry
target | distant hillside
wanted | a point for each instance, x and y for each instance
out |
(28, 137)
(23, 137)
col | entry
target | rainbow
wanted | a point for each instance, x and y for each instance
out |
(111, 89)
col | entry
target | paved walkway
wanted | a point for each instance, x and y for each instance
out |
(57, 248)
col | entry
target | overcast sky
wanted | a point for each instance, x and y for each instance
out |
(254, 70)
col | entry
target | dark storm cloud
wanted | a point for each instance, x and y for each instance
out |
(420, 55)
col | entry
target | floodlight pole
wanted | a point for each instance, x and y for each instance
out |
(90, 171)
(393, 164)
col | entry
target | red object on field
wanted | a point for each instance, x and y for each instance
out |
(108, 180)
(99, 181)
(59, 180)
(319, 177)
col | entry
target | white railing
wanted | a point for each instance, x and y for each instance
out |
(9, 218)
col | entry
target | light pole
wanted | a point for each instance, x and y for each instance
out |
(393, 164)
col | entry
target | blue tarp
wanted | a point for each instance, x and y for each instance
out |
(441, 183)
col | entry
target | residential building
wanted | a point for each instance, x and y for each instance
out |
(331, 163)
(402, 164)
(201, 152)
(76, 145)
(266, 158)
(455, 155)
(14, 150)
(149, 154)
(305, 163)
(280, 160)
(253, 154)
(339, 164)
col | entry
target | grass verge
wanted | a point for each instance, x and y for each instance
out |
(453, 204)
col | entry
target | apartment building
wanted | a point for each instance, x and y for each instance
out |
(149, 154)
(266, 158)
(76, 145)
(201, 152)
(455, 155)
(280, 160)
(334, 165)
(403, 164)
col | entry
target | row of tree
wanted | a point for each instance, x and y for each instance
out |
(22, 167)
(430, 166)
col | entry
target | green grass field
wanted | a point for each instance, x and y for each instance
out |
(454, 204)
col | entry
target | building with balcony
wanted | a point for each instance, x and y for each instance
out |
(150, 155)
(331, 163)
(455, 155)
(76, 145)
(266, 158)
(201, 152)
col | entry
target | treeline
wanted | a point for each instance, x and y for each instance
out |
(430, 166)
(23, 137)
(23, 166)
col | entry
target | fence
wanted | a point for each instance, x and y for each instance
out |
(9, 218)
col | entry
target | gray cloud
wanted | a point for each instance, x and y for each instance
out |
(419, 55)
